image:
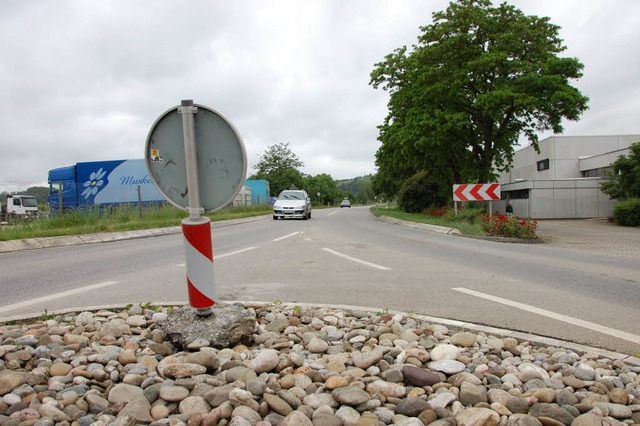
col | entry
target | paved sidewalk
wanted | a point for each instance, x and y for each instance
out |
(593, 235)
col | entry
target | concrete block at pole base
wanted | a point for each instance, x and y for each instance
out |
(198, 253)
(229, 325)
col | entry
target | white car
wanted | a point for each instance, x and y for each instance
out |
(293, 203)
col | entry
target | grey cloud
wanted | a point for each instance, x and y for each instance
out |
(83, 81)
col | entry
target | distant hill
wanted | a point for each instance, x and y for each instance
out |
(358, 188)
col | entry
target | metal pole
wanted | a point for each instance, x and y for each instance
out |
(188, 128)
(196, 228)
(139, 202)
(60, 198)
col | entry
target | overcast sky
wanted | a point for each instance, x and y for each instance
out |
(86, 80)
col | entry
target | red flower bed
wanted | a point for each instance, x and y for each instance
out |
(500, 225)
(436, 211)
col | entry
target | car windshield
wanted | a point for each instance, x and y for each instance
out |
(292, 195)
(29, 202)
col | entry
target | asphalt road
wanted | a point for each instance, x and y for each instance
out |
(347, 257)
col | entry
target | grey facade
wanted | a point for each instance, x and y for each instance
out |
(563, 180)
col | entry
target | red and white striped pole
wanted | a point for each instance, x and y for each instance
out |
(198, 248)
(198, 251)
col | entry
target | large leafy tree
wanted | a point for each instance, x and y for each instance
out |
(478, 78)
(624, 179)
(325, 185)
(279, 165)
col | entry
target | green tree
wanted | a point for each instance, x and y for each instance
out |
(421, 191)
(279, 165)
(478, 78)
(365, 191)
(325, 185)
(40, 192)
(624, 179)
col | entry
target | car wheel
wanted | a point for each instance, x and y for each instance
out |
(306, 216)
(275, 217)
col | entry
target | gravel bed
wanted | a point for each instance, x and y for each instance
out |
(302, 365)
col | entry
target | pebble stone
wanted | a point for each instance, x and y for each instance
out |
(302, 366)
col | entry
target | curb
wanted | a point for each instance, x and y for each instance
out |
(506, 239)
(479, 328)
(425, 226)
(456, 232)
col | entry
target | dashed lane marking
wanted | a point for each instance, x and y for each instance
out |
(354, 259)
(56, 296)
(564, 318)
(223, 255)
(285, 236)
(231, 253)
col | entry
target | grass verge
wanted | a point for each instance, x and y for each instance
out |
(468, 220)
(122, 218)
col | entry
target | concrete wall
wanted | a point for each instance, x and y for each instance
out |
(559, 199)
(243, 198)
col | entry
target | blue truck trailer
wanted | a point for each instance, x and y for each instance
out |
(102, 183)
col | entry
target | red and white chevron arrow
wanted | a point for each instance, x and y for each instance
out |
(476, 191)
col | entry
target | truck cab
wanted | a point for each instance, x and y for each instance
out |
(20, 207)
(62, 187)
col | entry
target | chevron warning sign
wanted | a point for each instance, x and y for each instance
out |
(476, 191)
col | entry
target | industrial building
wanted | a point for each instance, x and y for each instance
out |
(562, 181)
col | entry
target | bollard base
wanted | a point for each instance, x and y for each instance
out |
(204, 312)
(226, 327)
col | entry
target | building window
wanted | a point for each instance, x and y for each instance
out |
(602, 172)
(518, 194)
(543, 165)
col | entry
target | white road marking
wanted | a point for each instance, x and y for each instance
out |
(231, 253)
(56, 296)
(564, 318)
(337, 211)
(364, 262)
(286, 236)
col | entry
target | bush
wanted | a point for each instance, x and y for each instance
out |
(500, 225)
(627, 212)
(419, 192)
